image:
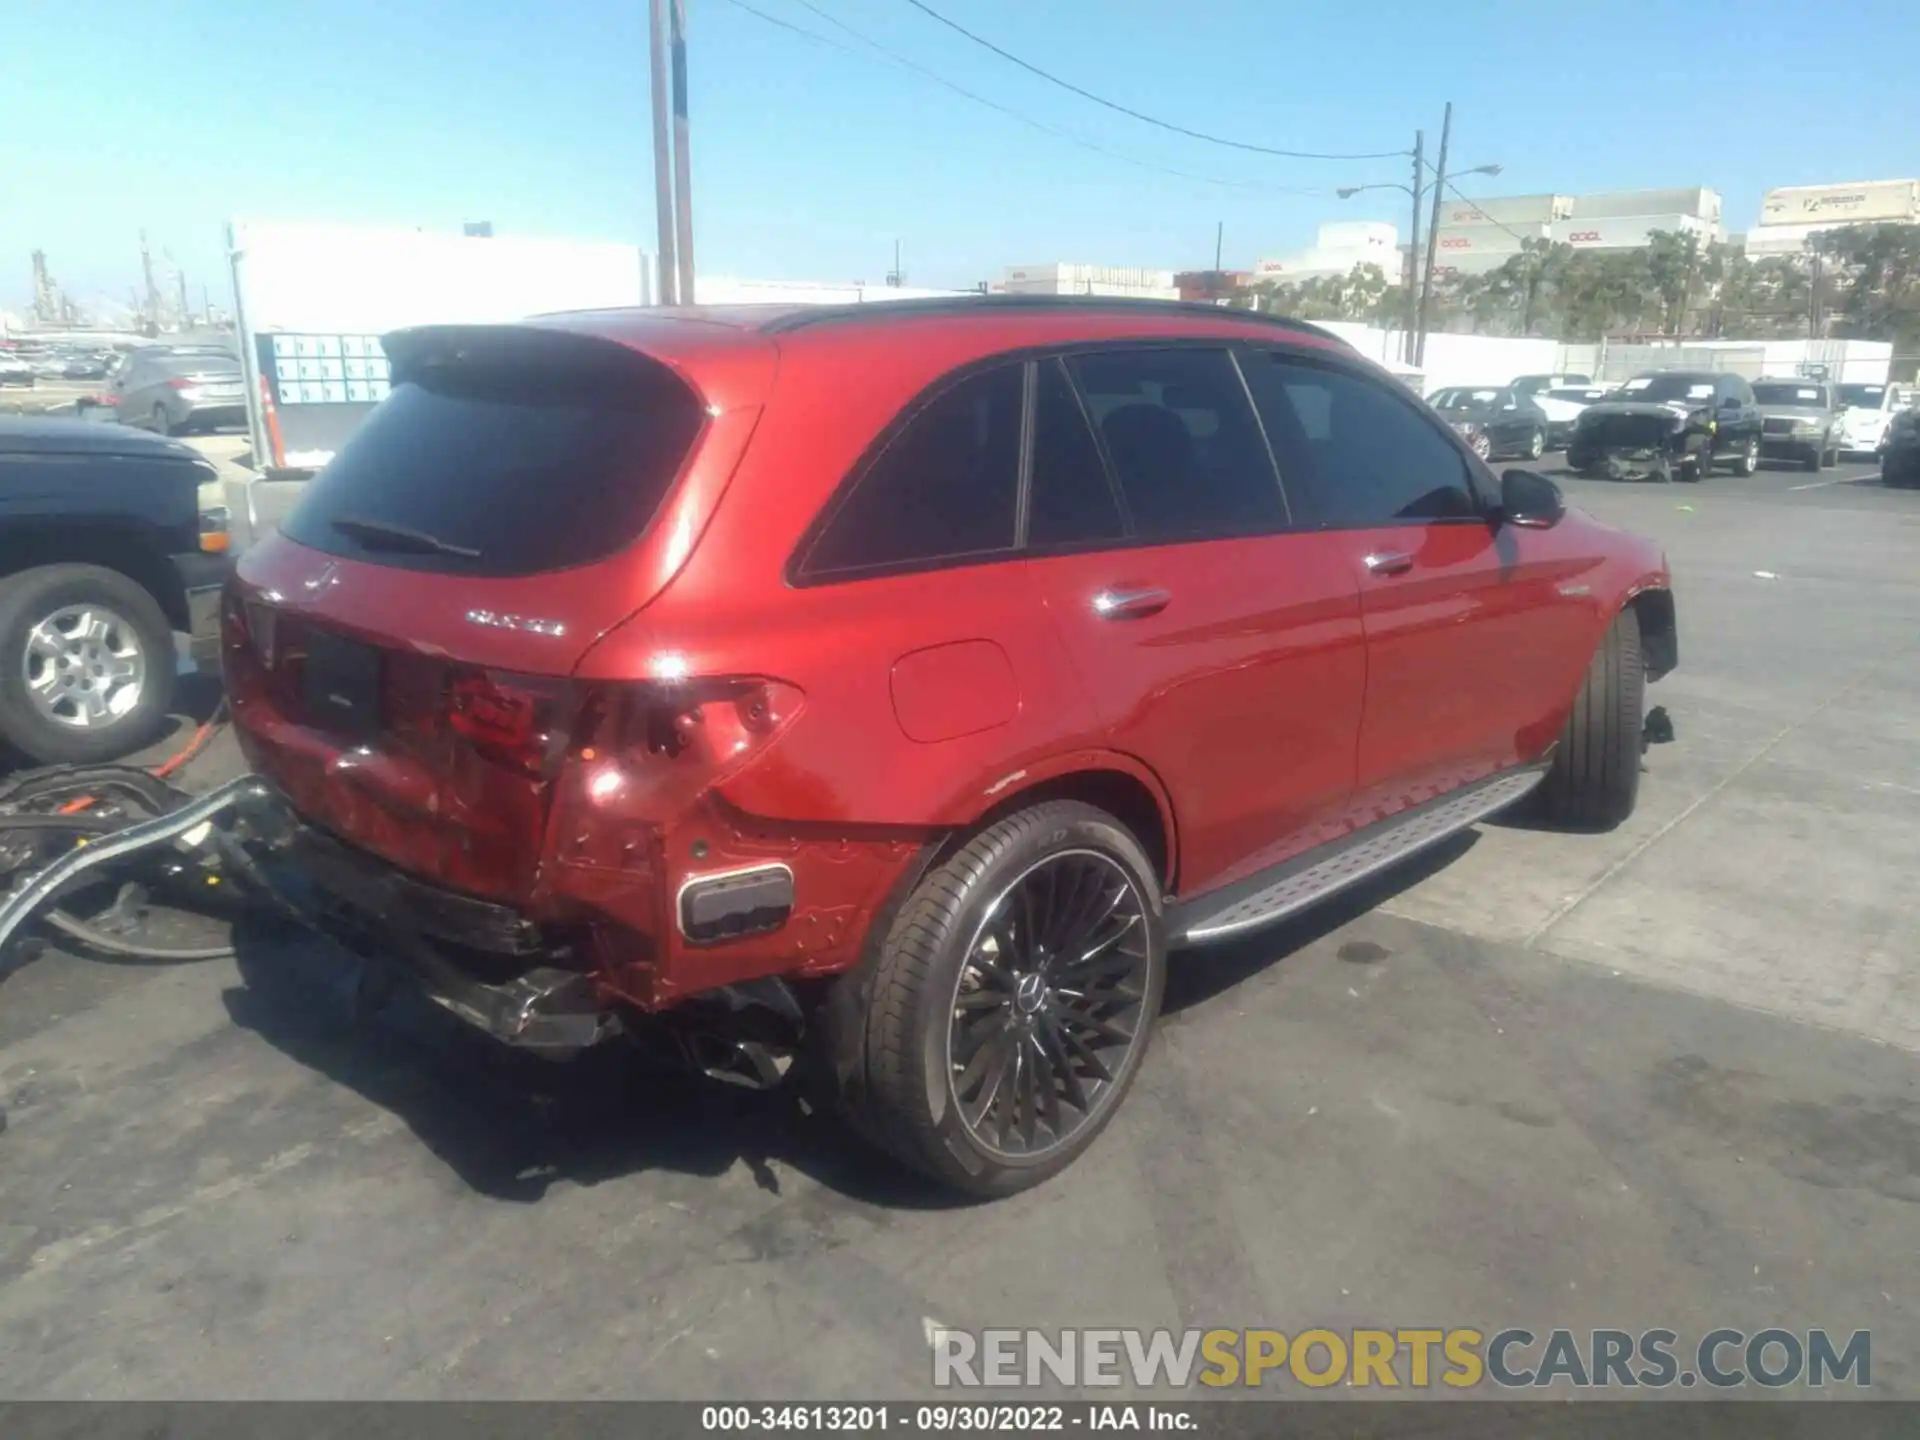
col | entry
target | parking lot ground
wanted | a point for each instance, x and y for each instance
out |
(1668, 1077)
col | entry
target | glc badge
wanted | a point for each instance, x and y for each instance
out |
(527, 623)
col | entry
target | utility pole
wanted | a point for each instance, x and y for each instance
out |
(1433, 237)
(667, 266)
(1219, 241)
(682, 151)
(1412, 271)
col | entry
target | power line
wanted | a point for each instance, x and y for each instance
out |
(1051, 78)
(1458, 195)
(898, 59)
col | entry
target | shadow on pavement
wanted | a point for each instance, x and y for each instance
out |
(511, 1125)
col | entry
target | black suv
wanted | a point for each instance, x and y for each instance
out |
(1669, 425)
(104, 554)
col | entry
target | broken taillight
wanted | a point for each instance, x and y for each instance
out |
(646, 754)
(520, 721)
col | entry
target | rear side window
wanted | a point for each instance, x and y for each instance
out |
(502, 464)
(1183, 441)
(944, 488)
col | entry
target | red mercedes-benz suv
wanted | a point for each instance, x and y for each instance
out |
(893, 687)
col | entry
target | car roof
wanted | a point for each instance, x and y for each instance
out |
(1154, 317)
(41, 436)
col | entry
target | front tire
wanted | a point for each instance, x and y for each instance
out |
(1013, 1000)
(87, 666)
(1594, 780)
(1749, 461)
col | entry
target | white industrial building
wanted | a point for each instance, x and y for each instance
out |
(1791, 216)
(1337, 248)
(1477, 236)
(1131, 282)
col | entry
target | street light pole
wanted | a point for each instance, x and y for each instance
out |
(682, 151)
(1413, 249)
(665, 267)
(1433, 237)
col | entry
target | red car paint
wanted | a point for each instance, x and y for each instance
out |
(715, 715)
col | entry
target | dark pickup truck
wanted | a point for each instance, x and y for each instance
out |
(104, 554)
(1669, 425)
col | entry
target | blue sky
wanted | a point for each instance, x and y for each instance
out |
(809, 161)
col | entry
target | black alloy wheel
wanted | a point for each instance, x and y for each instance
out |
(1049, 1004)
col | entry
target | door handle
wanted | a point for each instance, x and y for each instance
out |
(1113, 604)
(1393, 563)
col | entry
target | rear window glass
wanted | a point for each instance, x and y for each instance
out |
(498, 468)
(1789, 394)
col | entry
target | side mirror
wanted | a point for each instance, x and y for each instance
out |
(1530, 501)
(1730, 402)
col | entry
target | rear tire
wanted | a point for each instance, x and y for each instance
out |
(1537, 444)
(1594, 779)
(159, 421)
(1813, 460)
(918, 1101)
(29, 599)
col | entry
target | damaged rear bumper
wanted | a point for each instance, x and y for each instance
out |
(484, 963)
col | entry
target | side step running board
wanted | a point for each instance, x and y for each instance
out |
(1326, 870)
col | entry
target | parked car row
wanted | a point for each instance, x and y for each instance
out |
(20, 365)
(1676, 424)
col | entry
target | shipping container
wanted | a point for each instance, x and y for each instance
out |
(1765, 240)
(1465, 263)
(1619, 204)
(1487, 239)
(1506, 210)
(1896, 201)
(1627, 232)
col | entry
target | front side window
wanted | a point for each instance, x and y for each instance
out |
(1367, 456)
(1183, 442)
(943, 488)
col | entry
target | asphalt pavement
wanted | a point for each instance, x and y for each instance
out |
(1667, 1076)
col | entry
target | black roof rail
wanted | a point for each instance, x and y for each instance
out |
(874, 310)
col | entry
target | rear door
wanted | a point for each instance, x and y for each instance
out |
(1220, 644)
(1465, 622)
